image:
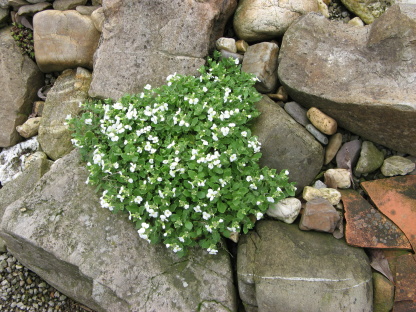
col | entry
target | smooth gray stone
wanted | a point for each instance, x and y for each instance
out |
(297, 112)
(317, 134)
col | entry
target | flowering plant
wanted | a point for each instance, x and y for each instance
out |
(181, 158)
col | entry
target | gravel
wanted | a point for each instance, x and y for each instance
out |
(22, 290)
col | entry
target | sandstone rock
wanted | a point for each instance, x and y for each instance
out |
(227, 44)
(397, 165)
(12, 159)
(67, 4)
(372, 85)
(97, 258)
(98, 18)
(348, 154)
(35, 166)
(286, 210)
(241, 46)
(370, 158)
(340, 178)
(383, 293)
(260, 20)
(29, 128)
(20, 76)
(69, 90)
(280, 268)
(297, 112)
(145, 41)
(356, 21)
(321, 121)
(261, 60)
(335, 142)
(311, 193)
(64, 39)
(286, 144)
(319, 215)
(367, 10)
(33, 8)
(87, 9)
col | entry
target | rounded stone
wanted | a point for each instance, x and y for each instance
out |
(286, 210)
(371, 158)
(321, 121)
(335, 142)
(227, 44)
(397, 165)
(330, 194)
(341, 178)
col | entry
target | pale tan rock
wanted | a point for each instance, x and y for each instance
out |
(67, 4)
(234, 236)
(341, 178)
(38, 108)
(63, 40)
(321, 121)
(356, 21)
(286, 210)
(330, 194)
(397, 165)
(334, 144)
(323, 8)
(87, 9)
(242, 46)
(227, 44)
(98, 18)
(29, 128)
(280, 95)
(32, 9)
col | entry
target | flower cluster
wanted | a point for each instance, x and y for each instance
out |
(181, 159)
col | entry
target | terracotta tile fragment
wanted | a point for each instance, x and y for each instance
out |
(396, 198)
(404, 306)
(367, 227)
(406, 279)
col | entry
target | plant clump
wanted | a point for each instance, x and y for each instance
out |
(181, 158)
(24, 38)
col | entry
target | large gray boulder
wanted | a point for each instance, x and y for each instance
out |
(60, 231)
(144, 41)
(64, 39)
(69, 90)
(257, 20)
(363, 77)
(20, 79)
(281, 268)
(286, 145)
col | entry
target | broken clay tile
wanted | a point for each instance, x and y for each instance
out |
(406, 279)
(395, 197)
(367, 227)
(404, 306)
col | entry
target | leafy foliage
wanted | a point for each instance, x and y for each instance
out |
(24, 38)
(181, 158)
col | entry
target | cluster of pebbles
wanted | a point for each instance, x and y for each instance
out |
(22, 290)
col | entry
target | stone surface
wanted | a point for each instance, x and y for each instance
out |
(321, 121)
(367, 10)
(371, 158)
(69, 90)
(261, 20)
(241, 46)
(33, 8)
(338, 178)
(227, 44)
(369, 77)
(154, 38)
(20, 76)
(317, 134)
(97, 258)
(98, 18)
(297, 112)
(383, 293)
(368, 227)
(396, 198)
(286, 210)
(332, 195)
(24, 183)
(397, 165)
(286, 144)
(280, 268)
(12, 159)
(348, 154)
(261, 60)
(334, 144)
(64, 39)
(29, 128)
(86, 9)
(319, 215)
(67, 4)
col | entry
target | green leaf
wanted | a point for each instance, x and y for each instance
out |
(221, 207)
(189, 225)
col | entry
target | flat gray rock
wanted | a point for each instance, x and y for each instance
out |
(145, 41)
(60, 231)
(281, 268)
(363, 77)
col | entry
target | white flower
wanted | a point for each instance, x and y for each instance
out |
(116, 165)
(130, 180)
(249, 179)
(259, 215)
(197, 209)
(176, 248)
(225, 130)
(162, 217)
(167, 213)
(211, 194)
(205, 89)
(286, 172)
(212, 251)
(206, 216)
(68, 117)
(253, 186)
(132, 167)
(244, 133)
(181, 239)
(138, 199)
(148, 87)
(118, 106)
(88, 121)
(233, 157)
(270, 199)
